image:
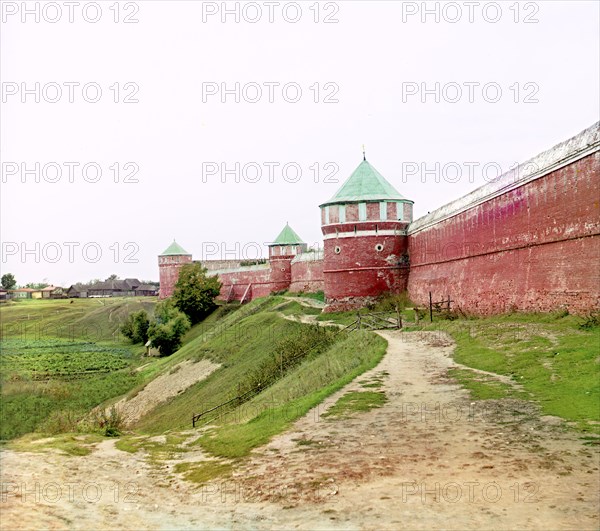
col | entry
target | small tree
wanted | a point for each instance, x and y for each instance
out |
(195, 292)
(8, 281)
(136, 327)
(168, 329)
(36, 285)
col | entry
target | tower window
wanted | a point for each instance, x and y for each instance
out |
(342, 213)
(379, 247)
(326, 215)
(337, 250)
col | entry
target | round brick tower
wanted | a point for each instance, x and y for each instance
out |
(281, 253)
(169, 263)
(365, 243)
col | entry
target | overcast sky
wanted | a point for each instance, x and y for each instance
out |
(484, 85)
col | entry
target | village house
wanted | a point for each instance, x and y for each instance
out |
(146, 290)
(114, 288)
(75, 292)
(130, 287)
(49, 292)
(20, 293)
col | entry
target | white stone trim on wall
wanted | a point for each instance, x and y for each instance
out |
(387, 232)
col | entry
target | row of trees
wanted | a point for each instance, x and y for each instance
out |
(193, 299)
(8, 281)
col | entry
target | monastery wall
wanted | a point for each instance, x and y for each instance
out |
(529, 241)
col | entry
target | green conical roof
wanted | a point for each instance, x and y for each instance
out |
(365, 184)
(174, 250)
(287, 237)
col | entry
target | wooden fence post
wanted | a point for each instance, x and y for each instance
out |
(430, 308)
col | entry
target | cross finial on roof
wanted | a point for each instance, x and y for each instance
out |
(364, 153)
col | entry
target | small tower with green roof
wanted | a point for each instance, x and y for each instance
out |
(365, 244)
(281, 253)
(169, 263)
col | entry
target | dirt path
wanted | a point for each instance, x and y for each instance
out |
(427, 459)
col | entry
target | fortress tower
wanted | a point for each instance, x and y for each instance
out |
(169, 263)
(281, 253)
(365, 243)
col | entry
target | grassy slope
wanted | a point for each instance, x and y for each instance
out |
(239, 342)
(92, 319)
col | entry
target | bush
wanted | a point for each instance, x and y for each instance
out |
(590, 321)
(61, 421)
(390, 302)
(112, 423)
(136, 327)
(560, 313)
(169, 328)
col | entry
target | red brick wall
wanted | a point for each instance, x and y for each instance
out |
(352, 212)
(260, 280)
(307, 276)
(534, 248)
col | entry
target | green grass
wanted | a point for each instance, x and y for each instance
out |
(256, 422)
(295, 308)
(67, 443)
(127, 444)
(482, 387)
(343, 318)
(318, 296)
(60, 359)
(204, 471)
(556, 362)
(56, 406)
(163, 448)
(356, 401)
(95, 320)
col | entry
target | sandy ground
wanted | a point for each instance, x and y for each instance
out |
(427, 459)
(182, 376)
